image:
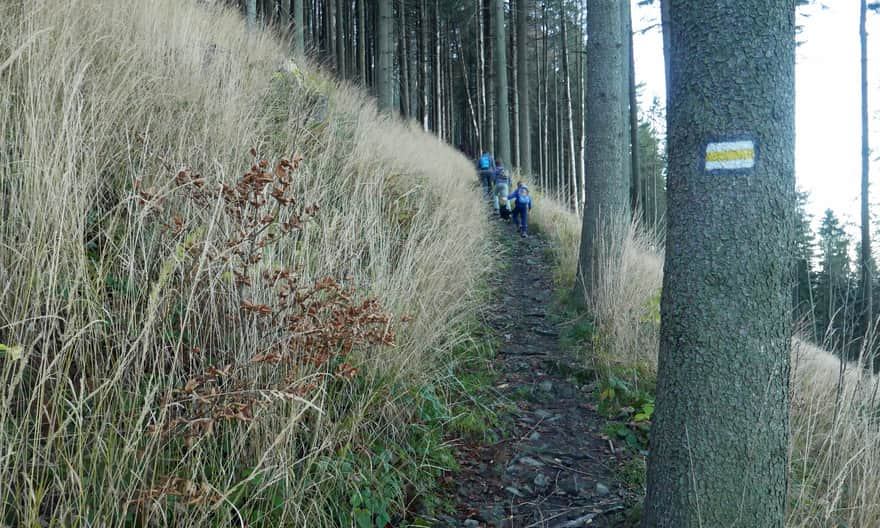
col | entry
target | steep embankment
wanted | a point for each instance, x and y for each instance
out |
(835, 434)
(170, 354)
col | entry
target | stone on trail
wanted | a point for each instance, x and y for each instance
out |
(541, 481)
(471, 523)
(602, 490)
(529, 461)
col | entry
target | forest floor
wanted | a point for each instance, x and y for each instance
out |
(550, 464)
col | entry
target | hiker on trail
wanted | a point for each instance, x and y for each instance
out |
(502, 188)
(486, 169)
(522, 205)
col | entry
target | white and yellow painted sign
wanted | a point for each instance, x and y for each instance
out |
(730, 155)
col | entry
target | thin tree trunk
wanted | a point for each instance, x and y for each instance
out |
(340, 40)
(438, 108)
(424, 55)
(251, 13)
(569, 118)
(299, 40)
(331, 32)
(545, 136)
(636, 203)
(865, 264)
(525, 116)
(384, 55)
(514, 61)
(362, 42)
(402, 50)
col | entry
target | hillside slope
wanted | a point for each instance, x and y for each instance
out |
(176, 352)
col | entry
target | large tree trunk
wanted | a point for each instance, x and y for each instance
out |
(525, 113)
(500, 51)
(719, 436)
(384, 55)
(865, 259)
(607, 196)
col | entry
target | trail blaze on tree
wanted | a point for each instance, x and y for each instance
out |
(719, 444)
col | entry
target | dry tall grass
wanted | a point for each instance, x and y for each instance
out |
(101, 104)
(835, 411)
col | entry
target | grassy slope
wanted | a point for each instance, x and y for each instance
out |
(835, 435)
(102, 99)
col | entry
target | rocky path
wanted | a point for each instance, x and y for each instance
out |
(551, 466)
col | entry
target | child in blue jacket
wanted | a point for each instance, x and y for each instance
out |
(521, 206)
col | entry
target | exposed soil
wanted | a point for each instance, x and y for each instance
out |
(552, 467)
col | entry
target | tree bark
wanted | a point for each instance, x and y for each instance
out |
(501, 105)
(865, 259)
(719, 434)
(607, 193)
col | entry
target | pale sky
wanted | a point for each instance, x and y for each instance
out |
(827, 100)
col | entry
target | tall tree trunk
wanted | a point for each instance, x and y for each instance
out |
(719, 436)
(569, 118)
(525, 116)
(607, 159)
(500, 51)
(865, 260)
(384, 55)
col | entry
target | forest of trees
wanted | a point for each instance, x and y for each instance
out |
(436, 62)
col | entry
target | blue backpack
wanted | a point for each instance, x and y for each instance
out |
(485, 161)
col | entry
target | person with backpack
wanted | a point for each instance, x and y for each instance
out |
(501, 181)
(522, 206)
(486, 169)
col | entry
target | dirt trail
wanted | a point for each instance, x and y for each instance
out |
(551, 467)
